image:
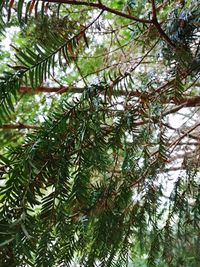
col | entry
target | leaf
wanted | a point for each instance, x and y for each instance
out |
(36, 9)
(70, 49)
(4, 160)
(19, 10)
(46, 8)
(11, 3)
(6, 242)
(25, 231)
(85, 39)
(31, 6)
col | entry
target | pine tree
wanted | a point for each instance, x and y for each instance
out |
(94, 171)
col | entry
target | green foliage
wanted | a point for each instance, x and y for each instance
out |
(36, 66)
(182, 29)
(91, 184)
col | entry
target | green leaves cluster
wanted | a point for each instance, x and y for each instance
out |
(91, 185)
(36, 66)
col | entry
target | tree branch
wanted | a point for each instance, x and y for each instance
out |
(44, 89)
(154, 15)
(18, 126)
(100, 6)
(184, 102)
(183, 132)
(176, 142)
(155, 22)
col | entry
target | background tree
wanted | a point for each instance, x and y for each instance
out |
(100, 133)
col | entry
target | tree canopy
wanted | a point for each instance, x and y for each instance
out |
(99, 124)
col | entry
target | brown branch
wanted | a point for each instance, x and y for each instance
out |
(189, 143)
(184, 102)
(72, 89)
(191, 101)
(44, 89)
(163, 35)
(155, 22)
(163, 87)
(18, 126)
(154, 15)
(173, 169)
(144, 175)
(182, 131)
(100, 6)
(186, 155)
(176, 142)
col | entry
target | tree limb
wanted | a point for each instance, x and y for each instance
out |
(155, 22)
(100, 6)
(184, 102)
(18, 126)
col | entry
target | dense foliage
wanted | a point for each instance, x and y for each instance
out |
(99, 119)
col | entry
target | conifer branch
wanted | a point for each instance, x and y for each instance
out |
(100, 6)
(155, 22)
(18, 126)
(188, 101)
